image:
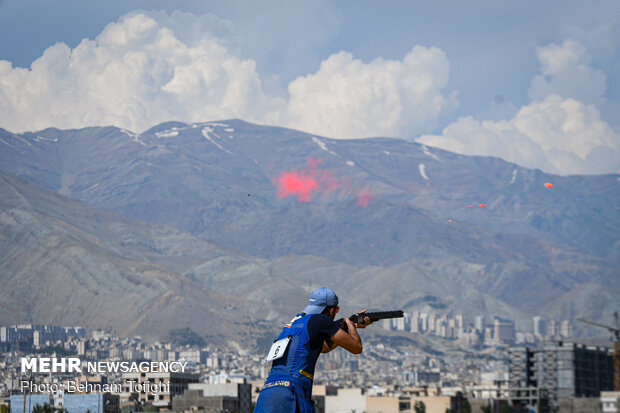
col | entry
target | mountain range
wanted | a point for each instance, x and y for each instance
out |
(231, 220)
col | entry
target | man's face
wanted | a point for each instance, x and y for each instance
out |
(333, 312)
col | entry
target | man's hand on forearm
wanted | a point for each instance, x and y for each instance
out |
(367, 321)
(349, 340)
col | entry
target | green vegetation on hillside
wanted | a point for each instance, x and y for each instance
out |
(185, 337)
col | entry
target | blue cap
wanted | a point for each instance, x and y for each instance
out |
(319, 299)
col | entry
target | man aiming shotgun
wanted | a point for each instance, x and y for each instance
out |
(294, 353)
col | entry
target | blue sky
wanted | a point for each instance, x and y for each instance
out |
(537, 83)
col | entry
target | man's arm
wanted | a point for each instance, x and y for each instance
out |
(348, 340)
(328, 345)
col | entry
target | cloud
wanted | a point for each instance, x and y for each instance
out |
(151, 67)
(557, 135)
(560, 131)
(599, 37)
(566, 71)
(269, 32)
(137, 72)
(347, 98)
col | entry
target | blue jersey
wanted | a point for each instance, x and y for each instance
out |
(288, 387)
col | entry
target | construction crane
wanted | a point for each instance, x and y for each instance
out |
(615, 332)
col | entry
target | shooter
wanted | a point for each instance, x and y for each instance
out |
(294, 353)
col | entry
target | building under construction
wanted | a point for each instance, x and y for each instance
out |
(541, 376)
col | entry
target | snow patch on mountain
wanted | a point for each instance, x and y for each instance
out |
(427, 152)
(8, 144)
(514, 177)
(422, 169)
(323, 146)
(170, 133)
(23, 140)
(134, 137)
(207, 131)
(42, 139)
(217, 124)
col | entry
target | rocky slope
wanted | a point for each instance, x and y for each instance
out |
(294, 211)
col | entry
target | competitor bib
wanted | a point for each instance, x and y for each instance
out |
(278, 348)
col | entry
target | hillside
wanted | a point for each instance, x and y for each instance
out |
(384, 213)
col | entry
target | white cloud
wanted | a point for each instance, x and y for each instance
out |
(151, 67)
(600, 37)
(560, 131)
(137, 72)
(347, 98)
(566, 71)
(148, 68)
(556, 135)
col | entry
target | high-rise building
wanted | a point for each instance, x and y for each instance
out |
(431, 322)
(504, 330)
(423, 322)
(561, 370)
(460, 321)
(566, 329)
(470, 338)
(488, 336)
(439, 327)
(539, 326)
(78, 332)
(195, 355)
(415, 322)
(5, 334)
(479, 323)
(161, 354)
(552, 329)
(82, 347)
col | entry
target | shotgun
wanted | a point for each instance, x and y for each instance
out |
(375, 316)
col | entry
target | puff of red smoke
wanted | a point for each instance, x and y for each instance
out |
(364, 196)
(302, 183)
(312, 179)
(298, 184)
